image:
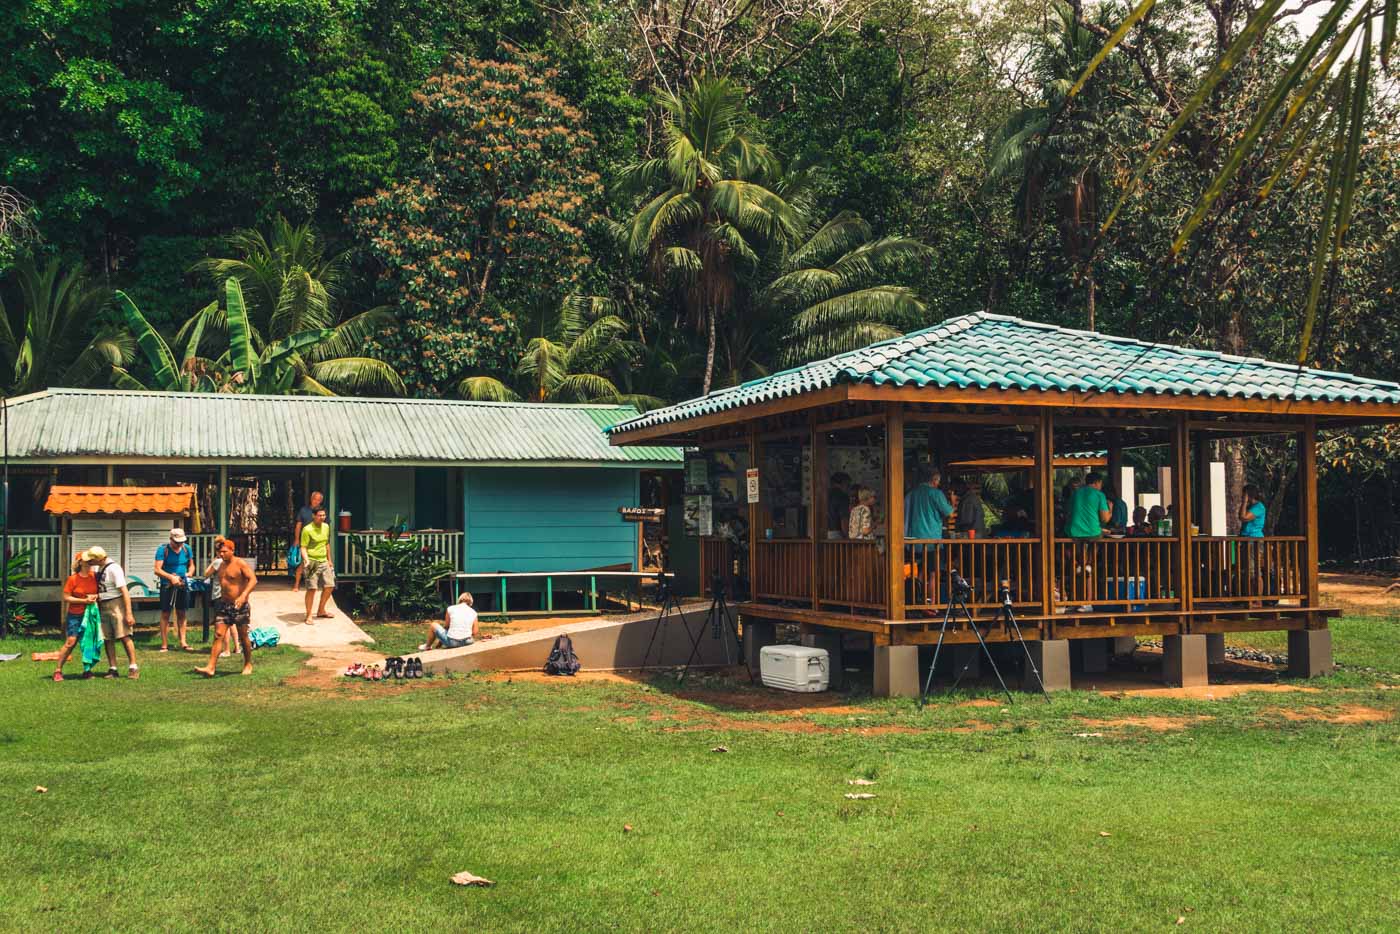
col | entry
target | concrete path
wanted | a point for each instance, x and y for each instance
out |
(274, 604)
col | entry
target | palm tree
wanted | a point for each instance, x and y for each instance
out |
(1047, 150)
(709, 207)
(42, 330)
(248, 364)
(291, 285)
(832, 289)
(567, 360)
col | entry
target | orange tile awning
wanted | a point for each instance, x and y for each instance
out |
(119, 500)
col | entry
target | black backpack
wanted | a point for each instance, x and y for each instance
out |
(562, 660)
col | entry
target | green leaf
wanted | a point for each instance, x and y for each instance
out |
(239, 332)
(157, 353)
(1320, 250)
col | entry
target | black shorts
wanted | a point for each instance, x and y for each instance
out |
(173, 598)
(232, 615)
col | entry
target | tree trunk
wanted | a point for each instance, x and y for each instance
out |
(709, 356)
(1090, 276)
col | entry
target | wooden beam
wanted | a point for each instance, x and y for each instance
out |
(753, 511)
(1307, 506)
(1045, 507)
(870, 419)
(1371, 411)
(817, 523)
(894, 508)
(1181, 498)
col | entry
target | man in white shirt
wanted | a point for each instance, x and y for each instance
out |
(460, 630)
(114, 603)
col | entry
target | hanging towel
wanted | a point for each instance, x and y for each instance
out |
(91, 642)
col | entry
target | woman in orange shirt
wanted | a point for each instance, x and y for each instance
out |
(78, 591)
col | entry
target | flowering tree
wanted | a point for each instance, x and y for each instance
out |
(490, 224)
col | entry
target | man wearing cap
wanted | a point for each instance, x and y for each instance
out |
(172, 570)
(114, 603)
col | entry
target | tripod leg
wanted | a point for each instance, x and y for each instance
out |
(655, 628)
(1030, 660)
(937, 647)
(734, 629)
(987, 651)
(697, 636)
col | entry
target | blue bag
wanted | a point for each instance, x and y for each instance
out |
(293, 558)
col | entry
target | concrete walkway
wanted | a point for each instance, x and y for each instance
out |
(274, 604)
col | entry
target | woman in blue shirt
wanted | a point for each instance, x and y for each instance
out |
(1252, 513)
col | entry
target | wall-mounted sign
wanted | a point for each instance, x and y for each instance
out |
(751, 480)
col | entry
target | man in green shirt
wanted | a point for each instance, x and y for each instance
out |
(1089, 511)
(319, 572)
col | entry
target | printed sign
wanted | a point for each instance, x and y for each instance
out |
(751, 478)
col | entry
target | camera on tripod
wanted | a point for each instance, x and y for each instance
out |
(959, 590)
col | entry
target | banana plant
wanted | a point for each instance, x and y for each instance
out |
(191, 374)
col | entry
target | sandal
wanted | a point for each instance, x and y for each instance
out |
(133, 672)
(111, 673)
(58, 676)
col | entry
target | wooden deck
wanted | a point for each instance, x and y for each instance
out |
(1092, 625)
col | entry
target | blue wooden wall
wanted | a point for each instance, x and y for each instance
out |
(549, 519)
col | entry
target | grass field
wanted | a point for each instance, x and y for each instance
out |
(279, 802)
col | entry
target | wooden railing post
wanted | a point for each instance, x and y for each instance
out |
(1181, 496)
(1307, 507)
(753, 514)
(1045, 508)
(817, 525)
(894, 508)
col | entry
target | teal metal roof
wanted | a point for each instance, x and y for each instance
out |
(108, 424)
(986, 351)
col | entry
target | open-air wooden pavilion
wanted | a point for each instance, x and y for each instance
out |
(1024, 397)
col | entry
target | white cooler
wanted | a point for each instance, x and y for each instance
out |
(794, 668)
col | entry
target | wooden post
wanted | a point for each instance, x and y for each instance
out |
(1307, 507)
(754, 512)
(817, 524)
(332, 508)
(223, 500)
(1181, 498)
(894, 507)
(1045, 508)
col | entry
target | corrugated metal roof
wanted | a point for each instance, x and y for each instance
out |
(987, 351)
(119, 500)
(110, 423)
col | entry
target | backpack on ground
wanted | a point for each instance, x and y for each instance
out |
(264, 637)
(562, 660)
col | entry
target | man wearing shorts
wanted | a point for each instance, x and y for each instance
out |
(236, 583)
(305, 515)
(316, 559)
(172, 568)
(114, 603)
(460, 629)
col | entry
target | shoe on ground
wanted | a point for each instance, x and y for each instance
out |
(423, 647)
(58, 676)
(133, 672)
(111, 673)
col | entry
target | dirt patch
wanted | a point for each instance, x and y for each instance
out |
(1361, 592)
(534, 676)
(1155, 724)
(1352, 713)
(982, 702)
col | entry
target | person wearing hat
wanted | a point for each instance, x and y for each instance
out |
(114, 603)
(173, 561)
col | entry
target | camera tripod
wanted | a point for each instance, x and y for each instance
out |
(720, 619)
(669, 606)
(959, 591)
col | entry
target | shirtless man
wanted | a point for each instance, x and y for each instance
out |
(236, 582)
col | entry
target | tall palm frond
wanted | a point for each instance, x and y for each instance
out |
(53, 330)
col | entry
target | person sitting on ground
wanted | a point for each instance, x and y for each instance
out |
(1252, 512)
(114, 603)
(861, 524)
(972, 518)
(79, 592)
(236, 583)
(460, 630)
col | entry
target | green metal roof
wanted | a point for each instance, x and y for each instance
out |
(986, 351)
(108, 424)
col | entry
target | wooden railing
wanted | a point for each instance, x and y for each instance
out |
(1132, 573)
(782, 569)
(357, 562)
(270, 548)
(1239, 570)
(716, 556)
(983, 563)
(851, 573)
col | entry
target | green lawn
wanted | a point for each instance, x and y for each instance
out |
(254, 804)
